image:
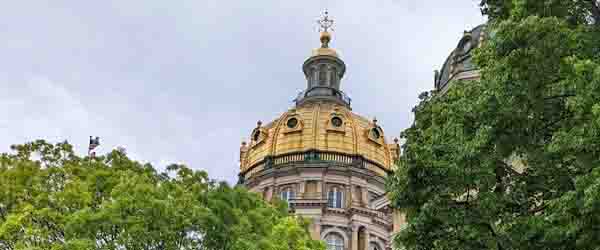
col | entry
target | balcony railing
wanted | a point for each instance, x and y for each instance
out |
(331, 93)
(313, 157)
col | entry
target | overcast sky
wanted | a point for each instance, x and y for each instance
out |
(186, 81)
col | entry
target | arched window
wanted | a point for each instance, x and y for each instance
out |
(335, 197)
(334, 241)
(323, 75)
(287, 194)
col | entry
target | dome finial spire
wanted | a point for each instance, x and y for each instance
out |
(325, 24)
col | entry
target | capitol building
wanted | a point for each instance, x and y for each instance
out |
(329, 163)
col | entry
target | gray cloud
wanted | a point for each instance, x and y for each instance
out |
(186, 81)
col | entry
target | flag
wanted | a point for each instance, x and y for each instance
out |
(94, 142)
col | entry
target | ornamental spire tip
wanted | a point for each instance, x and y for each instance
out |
(325, 22)
(325, 25)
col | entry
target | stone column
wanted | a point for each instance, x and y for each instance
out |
(355, 196)
(269, 193)
(301, 189)
(324, 189)
(399, 221)
(315, 228)
(348, 197)
(365, 196)
(354, 237)
(367, 238)
(320, 189)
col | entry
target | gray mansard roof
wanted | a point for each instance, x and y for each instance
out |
(459, 61)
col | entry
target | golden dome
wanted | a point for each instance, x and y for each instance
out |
(329, 128)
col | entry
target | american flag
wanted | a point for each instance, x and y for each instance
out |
(94, 142)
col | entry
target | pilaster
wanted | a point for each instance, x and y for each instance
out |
(355, 237)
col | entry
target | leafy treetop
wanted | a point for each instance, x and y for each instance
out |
(50, 198)
(511, 161)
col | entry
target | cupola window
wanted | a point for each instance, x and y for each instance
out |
(335, 197)
(323, 75)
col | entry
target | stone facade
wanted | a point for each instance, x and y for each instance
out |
(360, 211)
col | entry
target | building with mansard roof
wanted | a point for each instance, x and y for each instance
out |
(459, 64)
(326, 161)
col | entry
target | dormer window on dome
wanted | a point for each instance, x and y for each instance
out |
(337, 122)
(292, 123)
(375, 133)
(259, 134)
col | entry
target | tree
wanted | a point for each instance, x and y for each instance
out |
(510, 161)
(576, 11)
(52, 199)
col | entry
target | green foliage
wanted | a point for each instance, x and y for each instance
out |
(573, 11)
(52, 199)
(511, 161)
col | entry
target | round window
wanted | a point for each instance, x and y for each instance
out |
(375, 133)
(337, 122)
(292, 123)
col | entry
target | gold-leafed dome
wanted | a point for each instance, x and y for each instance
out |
(327, 128)
(321, 130)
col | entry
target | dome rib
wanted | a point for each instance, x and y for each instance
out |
(282, 118)
(315, 123)
(350, 117)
